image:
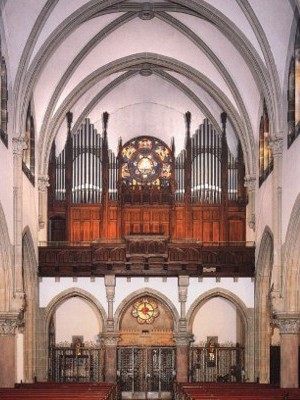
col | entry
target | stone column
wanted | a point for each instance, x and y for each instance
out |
(182, 356)
(276, 144)
(250, 183)
(110, 285)
(110, 337)
(8, 368)
(110, 343)
(43, 183)
(289, 343)
(19, 145)
(182, 338)
(183, 284)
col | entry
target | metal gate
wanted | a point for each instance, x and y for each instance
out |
(146, 372)
(220, 364)
(67, 365)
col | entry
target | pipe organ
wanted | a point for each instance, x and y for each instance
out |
(146, 189)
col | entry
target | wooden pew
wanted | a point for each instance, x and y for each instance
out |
(61, 391)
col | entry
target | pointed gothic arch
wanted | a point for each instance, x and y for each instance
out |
(29, 266)
(263, 304)
(75, 292)
(145, 292)
(245, 313)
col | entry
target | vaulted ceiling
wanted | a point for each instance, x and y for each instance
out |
(146, 64)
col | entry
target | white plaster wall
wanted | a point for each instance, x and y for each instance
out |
(49, 288)
(243, 288)
(75, 317)
(217, 317)
(168, 288)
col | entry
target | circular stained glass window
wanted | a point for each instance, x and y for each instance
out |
(145, 311)
(146, 160)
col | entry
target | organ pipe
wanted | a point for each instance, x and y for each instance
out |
(85, 166)
(207, 172)
(199, 169)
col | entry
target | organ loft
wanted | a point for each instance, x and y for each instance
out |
(147, 210)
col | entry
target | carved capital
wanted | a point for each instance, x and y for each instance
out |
(110, 285)
(183, 280)
(43, 182)
(288, 325)
(251, 222)
(111, 339)
(19, 145)
(8, 325)
(250, 182)
(276, 144)
(183, 339)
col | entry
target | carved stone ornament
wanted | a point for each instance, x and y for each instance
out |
(183, 338)
(43, 182)
(146, 12)
(8, 326)
(250, 182)
(111, 339)
(288, 326)
(19, 145)
(251, 221)
(276, 144)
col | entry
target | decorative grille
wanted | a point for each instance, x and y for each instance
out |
(67, 366)
(226, 366)
(146, 369)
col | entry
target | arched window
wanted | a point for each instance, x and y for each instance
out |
(265, 152)
(294, 92)
(3, 94)
(29, 152)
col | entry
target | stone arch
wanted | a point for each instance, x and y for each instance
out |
(263, 306)
(146, 292)
(246, 317)
(29, 265)
(6, 280)
(45, 318)
(291, 264)
(75, 292)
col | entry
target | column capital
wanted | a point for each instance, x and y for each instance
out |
(110, 285)
(8, 324)
(19, 145)
(183, 280)
(110, 280)
(43, 182)
(183, 338)
(111, 338)
(276, 144)
(250, 182)
(289, 324)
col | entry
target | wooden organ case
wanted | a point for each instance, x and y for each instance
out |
(146, 206)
